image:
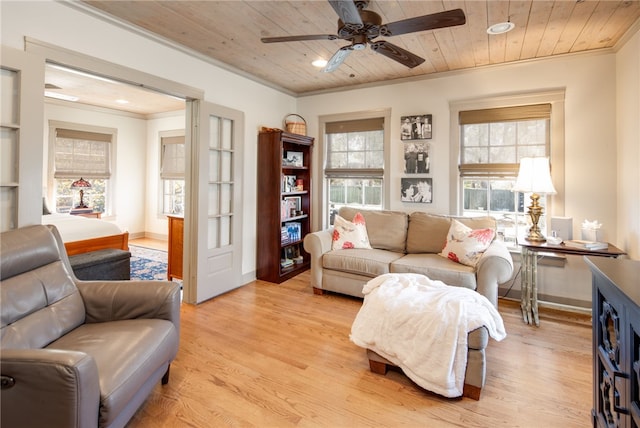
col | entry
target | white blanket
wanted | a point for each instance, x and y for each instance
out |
(421, 326)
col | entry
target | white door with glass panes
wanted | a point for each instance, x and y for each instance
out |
(213, 225)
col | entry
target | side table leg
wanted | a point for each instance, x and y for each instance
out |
(525, 303)
(534, 287)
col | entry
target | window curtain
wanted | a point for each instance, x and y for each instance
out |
(173, 158)
(82, 154)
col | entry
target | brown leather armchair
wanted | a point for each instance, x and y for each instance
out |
(77, 353)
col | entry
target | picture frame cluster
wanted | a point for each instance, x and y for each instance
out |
(414, 131)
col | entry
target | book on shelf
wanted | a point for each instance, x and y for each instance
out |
(586, 245)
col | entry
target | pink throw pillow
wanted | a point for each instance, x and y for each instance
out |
(347, 234)
(465, 245)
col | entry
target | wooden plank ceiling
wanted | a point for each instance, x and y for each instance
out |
(230, 32)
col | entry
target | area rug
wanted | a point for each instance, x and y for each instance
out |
(147, 263)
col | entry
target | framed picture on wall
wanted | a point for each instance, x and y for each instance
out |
(416, 190)
(416, 157)
(416, 127)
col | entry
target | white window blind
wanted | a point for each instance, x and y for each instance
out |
(494, 140)
(355, 148)
(173, 160)
(82, 154)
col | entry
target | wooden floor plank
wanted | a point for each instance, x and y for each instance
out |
(270, 355)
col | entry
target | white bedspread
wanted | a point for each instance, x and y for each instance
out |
(77, 228)
(421, 326)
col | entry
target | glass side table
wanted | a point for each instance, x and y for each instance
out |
(528, 282)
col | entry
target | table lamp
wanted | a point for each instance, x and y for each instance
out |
(534, 177)
(81, 184)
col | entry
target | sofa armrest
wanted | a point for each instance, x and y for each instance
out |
(119, 300)
(52, 388)
(494, 268)
(316, 244)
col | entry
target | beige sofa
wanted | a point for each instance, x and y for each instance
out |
(77, 353)
(404, 243)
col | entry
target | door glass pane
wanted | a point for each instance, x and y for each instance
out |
(8, 156)
(9, 82)
(214, 165)
(225, 231)
(214, 199)
(225, 166)
(212, 235)
(227, 134)
(7, 208)
(214, 134)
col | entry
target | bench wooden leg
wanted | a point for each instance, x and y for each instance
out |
(471, 391)
(165, 378)
(378, 367)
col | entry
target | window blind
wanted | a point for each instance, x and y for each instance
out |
(505, 114)
(173, 158)
(82, 154)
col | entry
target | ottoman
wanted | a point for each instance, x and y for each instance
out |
(436, 333)
(110, 264)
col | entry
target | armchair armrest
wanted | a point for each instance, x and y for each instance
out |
(494, 268)
(119, 300)
(316, 244)
(52, 388)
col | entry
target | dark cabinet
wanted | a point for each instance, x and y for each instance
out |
(616, 342)
(284, 204)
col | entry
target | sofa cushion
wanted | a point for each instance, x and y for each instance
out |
(126, 353)
(437, 268)
(427, 233)
(347, 234)
(369, 263)
(465, 245)
(387, 230)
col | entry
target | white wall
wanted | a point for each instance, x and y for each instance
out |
(628, 138)
(590, 130)
(60, 25)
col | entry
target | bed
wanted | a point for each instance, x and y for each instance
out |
(83, 235)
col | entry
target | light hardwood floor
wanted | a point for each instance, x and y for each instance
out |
(270, 355)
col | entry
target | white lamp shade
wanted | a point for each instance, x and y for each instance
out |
(534, 176)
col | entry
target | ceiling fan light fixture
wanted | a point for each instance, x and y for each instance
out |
(320, 63)
(501, 28)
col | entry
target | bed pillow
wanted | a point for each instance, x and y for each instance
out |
(465, 245)
(347, 234)
(45, 208)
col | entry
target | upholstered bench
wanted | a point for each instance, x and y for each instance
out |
(110, 264)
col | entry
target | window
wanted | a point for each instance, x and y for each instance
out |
(81, 153)
(354, 164)
(172, 174)
(492, 138)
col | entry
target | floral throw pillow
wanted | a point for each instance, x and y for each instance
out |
(347, 234)
(465, 245)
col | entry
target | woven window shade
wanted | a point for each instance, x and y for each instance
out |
(505, 114)
(359, 125)
(82, 154)
(173, 159)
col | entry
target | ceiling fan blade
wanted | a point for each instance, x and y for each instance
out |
(348, 12)
(337, 59)
(448, 18)
(299, 38)
(396, 53)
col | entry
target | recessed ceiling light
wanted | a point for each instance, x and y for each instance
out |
(320, 63)
(500, 28)
(60, 96)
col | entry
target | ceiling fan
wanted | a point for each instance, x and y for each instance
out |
(361, 27)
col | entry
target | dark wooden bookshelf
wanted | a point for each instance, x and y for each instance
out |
(273, 148)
